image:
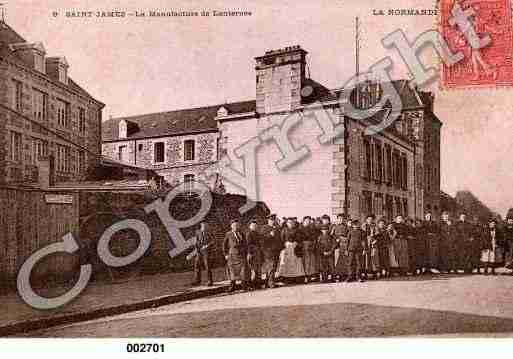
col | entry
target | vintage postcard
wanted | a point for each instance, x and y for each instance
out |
(243, 169)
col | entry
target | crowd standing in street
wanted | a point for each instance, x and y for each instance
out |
(315, 249)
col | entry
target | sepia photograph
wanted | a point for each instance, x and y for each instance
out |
(255, 169)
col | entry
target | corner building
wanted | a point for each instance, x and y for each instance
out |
(395, 171)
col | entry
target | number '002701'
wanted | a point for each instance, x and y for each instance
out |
(144, 348)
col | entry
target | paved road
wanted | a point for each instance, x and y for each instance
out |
(445, 305)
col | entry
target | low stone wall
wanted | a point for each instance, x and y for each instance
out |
(98, 211)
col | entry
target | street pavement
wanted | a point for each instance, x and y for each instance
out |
(443, 305)
(100, 299)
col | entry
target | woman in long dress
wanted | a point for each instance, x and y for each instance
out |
(492, 255)
(400, 242)
(290, 267)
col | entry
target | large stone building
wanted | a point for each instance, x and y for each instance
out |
(393, 171)
(43, 114)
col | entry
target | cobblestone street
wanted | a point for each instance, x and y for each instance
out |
(444, 305)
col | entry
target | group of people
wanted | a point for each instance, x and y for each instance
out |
(348, 250)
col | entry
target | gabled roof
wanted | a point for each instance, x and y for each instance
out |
(8, 35)
(171, 123)
(409, 96)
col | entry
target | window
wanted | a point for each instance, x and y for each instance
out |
(122, 154)
(405, 173)
(40, 148)
(40, 104)
(397, 169)
(368, 159)
(158, 152)
(63, 74)
(388, 155)
(81, 160)
(63, 113)
(39, 62)
(428, 178)
(399, 206)
(188, 181)
(18, 95)
(140, 147)
(389, 207)
(81, 120)
(63, 158)
(367, 203)
(378, 151)
(188, 146)
(15, 146)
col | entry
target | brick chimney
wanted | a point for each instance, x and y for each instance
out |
(280, 75)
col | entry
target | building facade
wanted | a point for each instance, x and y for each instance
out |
(43, 114)
(394, 171)
(177, 145)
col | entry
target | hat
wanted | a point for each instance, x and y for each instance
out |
(307, 217)
(325, 216)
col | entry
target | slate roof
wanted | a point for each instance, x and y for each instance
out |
(196, 120)
(177, 122)
(9, 36)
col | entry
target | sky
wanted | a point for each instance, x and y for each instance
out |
(141, 65)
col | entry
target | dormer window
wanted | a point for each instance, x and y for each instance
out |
(57, 68)
(33, 54)
(122, 129)
(222, 112)
(39, 62)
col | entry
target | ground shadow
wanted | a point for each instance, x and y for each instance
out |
(325, 320)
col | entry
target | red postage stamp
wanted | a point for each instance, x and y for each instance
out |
(490, 65)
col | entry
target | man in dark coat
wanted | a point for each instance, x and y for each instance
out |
(476, 245)
(271, 247)
(235, 251)
(448, 255)
(356, 249)
(508, 243)
(309, 234)
(370, 264)
(464, 239)
(325, 254)
(430, 236)
(382, 241)
(255, 255)
(204, 243)
(340, 232)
